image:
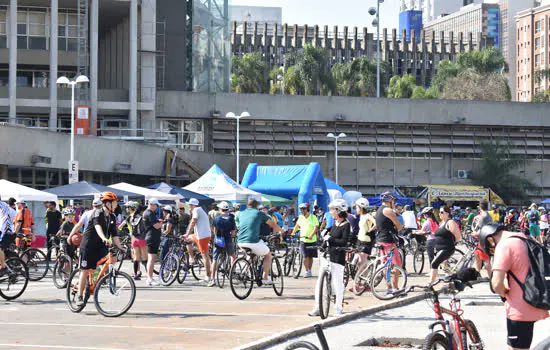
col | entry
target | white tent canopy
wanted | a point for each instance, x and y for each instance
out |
(147, 192)
(10, 189)
(217, 185)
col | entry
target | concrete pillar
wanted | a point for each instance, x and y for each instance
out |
(94, 72)
(13, 61)
(52, 122)
(147, 68)
(133, 66)
(4, 172)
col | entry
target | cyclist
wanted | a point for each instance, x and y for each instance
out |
(24, 221)
(85, 218)
(6, 234)
(224, 226)
(308, 225)
(53, 221)
(510, 221)
(495, 214)
(167, 230)
(95, 239)
(250, 221)
(65, 231)
(200, 225)
(152, 238)
(446, 237)
(470, 215)
(337, 238)
(510, 255)
(367, 227)
(137, 230)
(387, 226)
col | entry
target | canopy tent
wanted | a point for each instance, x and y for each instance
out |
(459, 193)
(274, 200)
(185, 194)
(334, 194)
(546, 201)
(147, 192)
(351, 197)
(218, 185)
(303, 181)
(10, 189)
(85, 190)
(375, 201)
(334, 186)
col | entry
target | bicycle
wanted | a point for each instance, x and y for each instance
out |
(15, 280)
(419, 258)
(248, 270)
(326, 294)
(107, 286)
(278, 247)
(294, 258)
(365, 271)
(63, 267)
(35, 259)
(456, 333)
(350, 268)
(307, 345)
(384, 291)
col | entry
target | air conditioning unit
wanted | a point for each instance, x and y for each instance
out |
(463, 174)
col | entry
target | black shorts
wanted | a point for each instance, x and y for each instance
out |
(7, 240)
(89, 257)
(229, 248)
(520, 333)
(441, 256)
(364, 247)
(309, 250)
(153, 243)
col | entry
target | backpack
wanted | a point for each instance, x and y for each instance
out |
(533, 217)
(536, 289)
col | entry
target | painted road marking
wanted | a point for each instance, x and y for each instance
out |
(183, 313)
(217, 301)
(53, 347)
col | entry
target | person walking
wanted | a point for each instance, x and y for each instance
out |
(152, 238)
(427, 231)
(308, 225)
(53, 221)
(24, 221)
(446, 237)
(201, 236)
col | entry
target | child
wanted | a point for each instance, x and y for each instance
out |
(65, 231)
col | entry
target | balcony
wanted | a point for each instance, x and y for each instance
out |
(24, 92)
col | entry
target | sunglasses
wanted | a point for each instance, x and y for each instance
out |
(442, 212)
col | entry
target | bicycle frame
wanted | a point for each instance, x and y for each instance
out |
(106, 262)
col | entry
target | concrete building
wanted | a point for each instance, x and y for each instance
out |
(432, 9)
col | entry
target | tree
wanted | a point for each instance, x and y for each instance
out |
(445, 70)
(312, 69)
(401, 87)
(473, 86)
(289, 85)
(425, 94)
(358, 77)
(498, 171)
(249, 74)
(486, 61)
(541, 97)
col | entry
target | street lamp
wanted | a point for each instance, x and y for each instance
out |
(331, 135)
(81, 79)
(376, 23)
(232, 115)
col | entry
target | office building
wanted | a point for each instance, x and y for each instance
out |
(409, 20)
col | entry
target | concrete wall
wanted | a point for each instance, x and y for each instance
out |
(114, 57)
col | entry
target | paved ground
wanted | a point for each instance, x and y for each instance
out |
(409, 324)
(187, 316)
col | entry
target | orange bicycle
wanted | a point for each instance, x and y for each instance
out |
(114, 291)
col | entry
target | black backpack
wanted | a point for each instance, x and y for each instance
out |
(536, 289)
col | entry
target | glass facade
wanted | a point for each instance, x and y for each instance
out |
(185, 134)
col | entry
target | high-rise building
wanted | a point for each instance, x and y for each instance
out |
(409, 20)
(432, 9)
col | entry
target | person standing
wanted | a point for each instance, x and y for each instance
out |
(367, 227)
(213, 213)
(53, 221)
(24, 221)
(470, 215)
(7, 236)
(308, 225)
(65, 231)
(167, 231)
(152, 238)
(200, 225)
(279, 216)
(543, 223)
(428, 229)
(224, 229)
(290, 218)
(327, 220)
(482, 219)
(183, 220)
(495, 214)
(446, 237)
(533, 217)
(137, 231)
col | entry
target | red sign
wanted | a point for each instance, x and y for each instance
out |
(82, 120)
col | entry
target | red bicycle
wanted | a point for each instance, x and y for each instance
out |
(457, 333)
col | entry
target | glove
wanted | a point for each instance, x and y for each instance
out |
(326, 237)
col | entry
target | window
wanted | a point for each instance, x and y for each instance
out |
(537, 27)
(186, 134)
(67, 32)
(3, 29)
(537, 60)
(32, 29)
(537, 43)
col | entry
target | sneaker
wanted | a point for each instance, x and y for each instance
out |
(338, 313)
(206, 280)
(314, 313)
(136, 277)
(391, 291)
(152, 282)
(308, 274)
(139, 274)
(80, 302)
(211, 283)
(267, 282)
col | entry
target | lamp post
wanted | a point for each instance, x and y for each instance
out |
(376, 23)
(81, 79)
(331, 135)
(232, 115)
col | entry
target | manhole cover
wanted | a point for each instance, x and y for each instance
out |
(397, 343)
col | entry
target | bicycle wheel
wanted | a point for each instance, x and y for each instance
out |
(62, 271)
(221, 269)
(114, 294)
(301, 345)
(436, 341)
(346, 274)
(37, 263)
(276, 273)
(120, 256)
(361, 282)
(474, 337)
(169, 270)
(381, 282)
(403, 256)
(325, 292)
(14, 282)
(72, 292)
(198, 267)
(288, 262)
(543, 345)
(183, 268)
(418, 261)
(297, 263)
(241, 279)
(451, 265)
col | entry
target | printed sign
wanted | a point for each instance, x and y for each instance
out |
(73, 171)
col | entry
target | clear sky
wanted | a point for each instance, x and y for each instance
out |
(353, 13)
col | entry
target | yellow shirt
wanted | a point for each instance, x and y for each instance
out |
(364, 227)
(307, 226)
(495, 216)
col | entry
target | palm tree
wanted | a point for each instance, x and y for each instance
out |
(249, 74)
(401, 87)
(312, 70)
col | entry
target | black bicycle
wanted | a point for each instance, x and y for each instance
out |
(307, 345)
(14, 279)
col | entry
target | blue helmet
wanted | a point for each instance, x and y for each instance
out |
(387, 196)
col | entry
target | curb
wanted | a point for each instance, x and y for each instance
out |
(285, 335)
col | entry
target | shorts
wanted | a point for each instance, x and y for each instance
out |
(153, 244)
(7, 241)
(386, 247)
(89, 258)
(309, 250)
(259, 249)
(364, 247)
(137, 243)
(201, 243)
(481, 254)
(520, 333)
(441, 256)
(69, 248)
(229, 248)
(534, 230)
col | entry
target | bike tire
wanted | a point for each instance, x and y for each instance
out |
(380, 277)
(277, 276)
(453, 261)
(346, 274)
(436, 339)
(418, 261)
(325, 295)
(110, 281)
(288, 262)
(72, 292)
(301, 345)
(221, 269)
(197, 267)
(361, 282)
(297, 264)
(18, 272)
(474, 335)
(169, 270)
(544, 345)
(183, 268)
(62, 271)
(403, 256)
(37, 263)
(241, 274)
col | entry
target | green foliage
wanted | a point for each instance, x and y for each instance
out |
(425, 94)
(358, 77)
(486, 61)
(249, 74)
(312, 71)
(541, 97)
(473, 86)
(401, 87)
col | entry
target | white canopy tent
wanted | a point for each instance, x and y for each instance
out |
(10, 189)
(147, 192)
(217, 185)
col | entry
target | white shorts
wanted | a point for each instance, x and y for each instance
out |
(259, 249)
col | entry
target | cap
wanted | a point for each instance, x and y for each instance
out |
(236, 205)
(167, 208)
(193, 201)
(223, 206)
(20, 200)
(154, 201)
(97, 202)
(261, 207)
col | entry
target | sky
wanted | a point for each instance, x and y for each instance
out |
(351, 13)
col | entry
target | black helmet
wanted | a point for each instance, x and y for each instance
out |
(387, 196)
(487, 231)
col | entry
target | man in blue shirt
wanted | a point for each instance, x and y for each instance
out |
(224, 226)
(279, 216)
(328, 221)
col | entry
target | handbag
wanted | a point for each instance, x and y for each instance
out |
(219, 241)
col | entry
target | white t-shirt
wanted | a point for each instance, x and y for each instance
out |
(202, 227)
(409, 219)
(85, 219)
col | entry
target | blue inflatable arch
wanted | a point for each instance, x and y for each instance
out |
(304, 182)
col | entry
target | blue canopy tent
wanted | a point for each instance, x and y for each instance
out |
(334, 186)
(375, 201)
(546, 201)
(85, 190)
(306, 182)
(204, 201)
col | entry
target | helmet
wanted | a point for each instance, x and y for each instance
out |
(223, 206)
(108, 197)
(427, 210)
(386, 196)
(495, 206)
(304, 206)
(167, 208)
(407, 207)
(533, 206)
(513, 210)
(261, 207)
(68, 211)
(487, 231)
(132, 205)
(236, 205)
(542, 209)
(97, 203)
(339, 204)
(76, 239)
(468, 209)
(362, 203)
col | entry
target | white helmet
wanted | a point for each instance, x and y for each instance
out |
(362, 203)
(167, 208)
(427, 210)
(223, 206)
(339, 205)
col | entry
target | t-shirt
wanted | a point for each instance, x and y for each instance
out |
(212, 215)
(26, 219)
(329, 219)
(364, 227)
(409, 220)
(307, 226)
(202, 226)
(482, 220)
(543, 224)
(279, 217)
(533, 217)
(430, 226)
(53, 221)
(85, 219)
(224, 224)
(470, 218)
(66, 228)
(183, 222)
(6, 219)
(495, 216)
(90, 238)
(150, 219)
(250, 221)
(511, 255)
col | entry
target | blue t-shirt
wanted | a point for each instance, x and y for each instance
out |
(279, 217)
(329, 219)
(250, 221)
(224, 224)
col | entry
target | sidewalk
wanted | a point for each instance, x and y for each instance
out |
(410, 323)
